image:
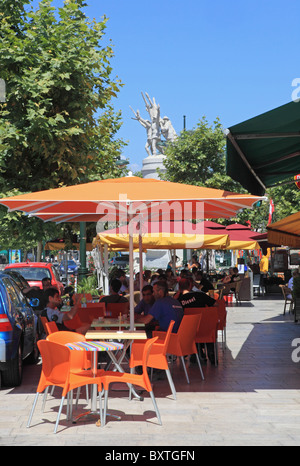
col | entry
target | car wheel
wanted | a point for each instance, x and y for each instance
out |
(12, 376)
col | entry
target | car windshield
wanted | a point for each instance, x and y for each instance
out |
(33, 273)
(71, 262)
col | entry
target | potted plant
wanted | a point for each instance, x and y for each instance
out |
(296, 297)
(88, 285)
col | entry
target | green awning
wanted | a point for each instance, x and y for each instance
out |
(265, 150)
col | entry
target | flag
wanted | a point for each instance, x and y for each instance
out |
(271, 211)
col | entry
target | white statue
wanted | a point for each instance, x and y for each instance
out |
(147, 125)
(167, 129)
(155, 127)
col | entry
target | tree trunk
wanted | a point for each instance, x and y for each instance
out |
(39, 250)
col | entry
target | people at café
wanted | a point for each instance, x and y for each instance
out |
(264, 265)
(136, 283)
(53, 313)
(235, 277)
(164, 309)
(145, 304)
(227, 277)
(114, 293)
(193, 264)
(189, 299)
(123, 279)
(291, 283)
(203, 283)
(36, 292)
(171, 279)
(147, 276)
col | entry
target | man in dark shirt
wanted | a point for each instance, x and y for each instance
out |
(189, 299)
(205, 285)
(114, 296)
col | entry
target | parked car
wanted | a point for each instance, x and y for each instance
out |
(72, 267)
(18, 332)
(34, 272)
(18, 278)
(120, 261)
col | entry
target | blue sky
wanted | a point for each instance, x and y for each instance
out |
(232, 59)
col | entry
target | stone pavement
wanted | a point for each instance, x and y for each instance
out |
(251, 398)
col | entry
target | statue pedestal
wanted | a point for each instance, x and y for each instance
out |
(150, 164)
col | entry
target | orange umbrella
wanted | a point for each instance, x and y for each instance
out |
(114, 199)
(123, 199)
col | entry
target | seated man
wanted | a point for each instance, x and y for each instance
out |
(114, 296)
(164, 309)
(291, 283)
(190, 299)
(124, 285)
(53, 314)
(204, 284)
(144, 306)
(36, 292)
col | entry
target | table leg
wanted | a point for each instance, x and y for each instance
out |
(93, 410)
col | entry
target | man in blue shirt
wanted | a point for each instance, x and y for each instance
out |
(164, 309)
(145, 304)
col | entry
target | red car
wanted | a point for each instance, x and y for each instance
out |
(34, 272)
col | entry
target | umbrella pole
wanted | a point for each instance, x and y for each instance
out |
(141, 259)
(131, 281)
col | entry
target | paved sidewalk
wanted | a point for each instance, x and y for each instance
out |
(251, 398)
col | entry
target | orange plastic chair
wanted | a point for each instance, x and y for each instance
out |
(80, 359)
(157, 357)
(222, 316)
(51, 327)
(74, 323)
(91, 312)
(142, 380)
(183, 343)
(44, 321)
(57, 370)
(208, 329)
(116, 308)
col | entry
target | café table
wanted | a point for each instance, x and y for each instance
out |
(94, 347)
(126, 336)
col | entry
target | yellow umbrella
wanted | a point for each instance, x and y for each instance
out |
(164, 235)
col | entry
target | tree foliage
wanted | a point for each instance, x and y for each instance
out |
(57, 126)
(198, 157)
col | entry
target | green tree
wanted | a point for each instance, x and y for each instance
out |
(58, 126)
(198, 157)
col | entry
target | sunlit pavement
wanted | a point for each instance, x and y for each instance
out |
(251, 398)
